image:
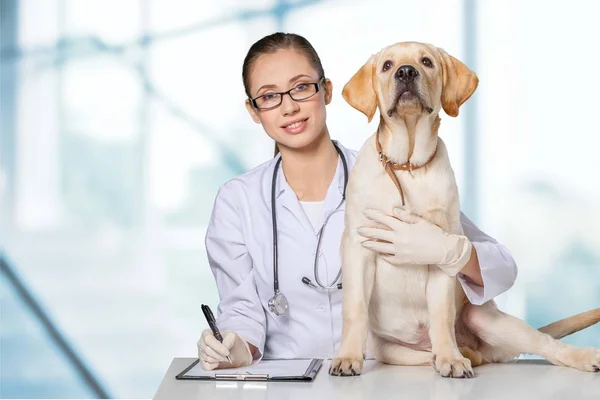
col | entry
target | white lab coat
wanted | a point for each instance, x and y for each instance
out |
(240, 253)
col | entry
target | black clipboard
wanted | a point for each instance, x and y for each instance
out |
(222, 375)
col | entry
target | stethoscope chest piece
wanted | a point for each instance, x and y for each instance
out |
(278, 304)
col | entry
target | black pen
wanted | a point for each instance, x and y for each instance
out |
(210, 318)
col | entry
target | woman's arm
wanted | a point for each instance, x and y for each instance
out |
(491, 269)
(239, 309)
(472, 269)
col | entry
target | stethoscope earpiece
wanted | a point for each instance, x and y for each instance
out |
(308, 282)
(278, 304)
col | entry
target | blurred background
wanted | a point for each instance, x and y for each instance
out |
(120, 119)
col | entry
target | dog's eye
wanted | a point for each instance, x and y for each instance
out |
(427, 62)
(387, 65)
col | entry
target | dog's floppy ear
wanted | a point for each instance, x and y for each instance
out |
(458, 83)
(359, 92)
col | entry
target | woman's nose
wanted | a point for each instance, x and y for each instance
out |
(288, 105)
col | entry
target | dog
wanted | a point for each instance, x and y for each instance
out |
(418, 314)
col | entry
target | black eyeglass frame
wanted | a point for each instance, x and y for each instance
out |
(289, 92)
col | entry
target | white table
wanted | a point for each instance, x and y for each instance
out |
(521, 379)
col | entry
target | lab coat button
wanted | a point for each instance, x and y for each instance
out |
(321, 307)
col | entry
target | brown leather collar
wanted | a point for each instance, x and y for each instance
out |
(390, 165)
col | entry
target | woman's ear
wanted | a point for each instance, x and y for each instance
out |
(328, 91)
(252, 111)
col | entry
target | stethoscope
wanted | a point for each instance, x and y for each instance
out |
(278, 304)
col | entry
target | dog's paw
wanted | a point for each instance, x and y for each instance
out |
(453, 367)
(584, 359)
(346, 366)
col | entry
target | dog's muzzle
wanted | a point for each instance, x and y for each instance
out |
(406, 77)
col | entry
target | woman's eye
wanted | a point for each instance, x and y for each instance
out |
(387, 65)
(301, 87)
(427, 62)
(268, 96)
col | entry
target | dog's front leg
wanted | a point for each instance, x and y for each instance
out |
(441, 304)
(358, 275)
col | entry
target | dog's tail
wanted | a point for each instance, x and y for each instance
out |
(570, 325)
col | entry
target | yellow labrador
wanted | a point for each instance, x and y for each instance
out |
(419, 315)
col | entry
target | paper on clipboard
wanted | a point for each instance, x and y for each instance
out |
(267, 369)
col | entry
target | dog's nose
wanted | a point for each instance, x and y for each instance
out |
(407, 73)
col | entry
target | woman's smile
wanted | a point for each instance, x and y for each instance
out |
(295, 127)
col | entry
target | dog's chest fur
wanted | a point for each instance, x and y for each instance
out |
(398, 307)
(429, 192)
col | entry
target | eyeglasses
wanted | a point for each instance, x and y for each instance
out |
(299, 92)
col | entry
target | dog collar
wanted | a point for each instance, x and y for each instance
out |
(390, 165)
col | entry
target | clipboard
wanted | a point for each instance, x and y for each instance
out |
(266, 371)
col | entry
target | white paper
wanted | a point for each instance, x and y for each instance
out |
(274, 368)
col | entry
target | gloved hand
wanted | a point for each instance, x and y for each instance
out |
(213, 354)
(411, 239)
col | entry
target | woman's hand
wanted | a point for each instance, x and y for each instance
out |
(410, 239)
(213, 354)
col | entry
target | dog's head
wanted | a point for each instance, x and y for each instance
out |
(409, 78)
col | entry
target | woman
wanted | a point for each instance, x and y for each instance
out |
(287, 94)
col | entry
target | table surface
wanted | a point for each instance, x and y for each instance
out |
(519, 379)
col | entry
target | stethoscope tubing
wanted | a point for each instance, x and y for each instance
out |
(274, 225)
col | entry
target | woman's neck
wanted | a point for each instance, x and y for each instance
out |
(309, 171)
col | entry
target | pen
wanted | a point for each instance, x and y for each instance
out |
(210, 318)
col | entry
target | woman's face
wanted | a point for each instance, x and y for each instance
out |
(293, 124)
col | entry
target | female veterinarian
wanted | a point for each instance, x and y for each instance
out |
(273, 240)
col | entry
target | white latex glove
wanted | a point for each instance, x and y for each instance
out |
(213, 354)
(411, 239)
